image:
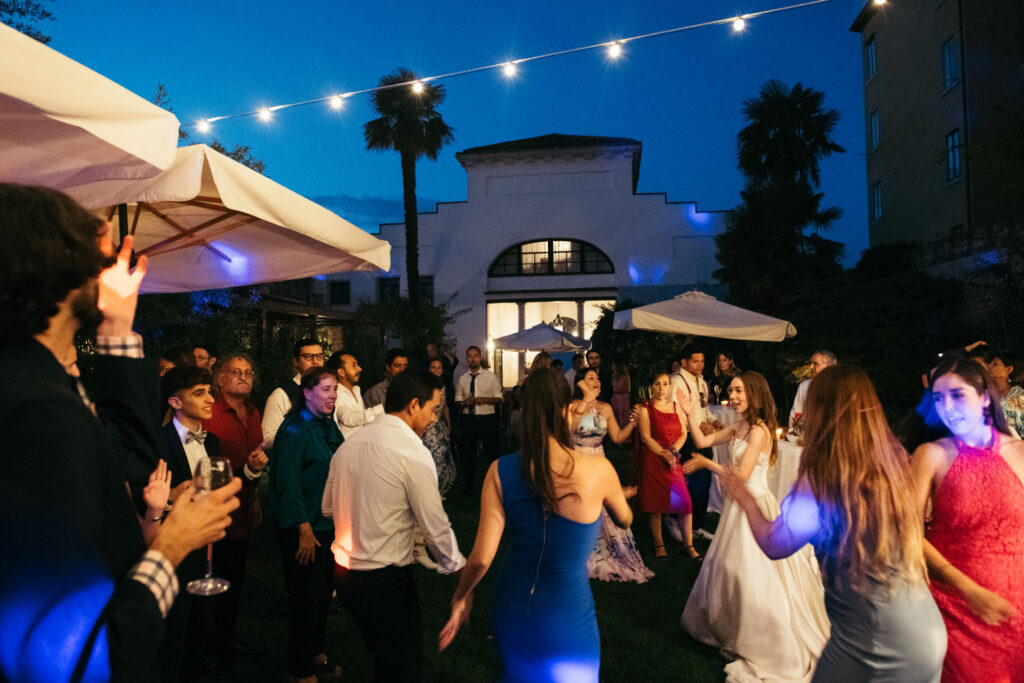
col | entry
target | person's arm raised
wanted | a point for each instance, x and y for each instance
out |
(615, 433)
(488, 536)
(701, 439)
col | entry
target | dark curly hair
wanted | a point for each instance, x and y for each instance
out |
(50, 249)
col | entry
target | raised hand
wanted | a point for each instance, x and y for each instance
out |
(119, 291)
(684, 401)
(158, 491)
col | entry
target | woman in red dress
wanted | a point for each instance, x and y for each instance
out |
(975, 543)
(661, 481)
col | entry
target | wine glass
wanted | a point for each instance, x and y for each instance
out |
(211, 473)
(718, 394)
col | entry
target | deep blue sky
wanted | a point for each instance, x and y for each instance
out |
(679, 94)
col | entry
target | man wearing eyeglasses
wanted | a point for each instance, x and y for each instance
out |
(690, 379)
(307, 353)
(236, 423)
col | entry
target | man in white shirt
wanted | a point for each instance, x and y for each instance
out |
(577, 365)
(382, 484)
(476, 393)
(349, 411)
(819, 361)
(690, 380)
(307, 353)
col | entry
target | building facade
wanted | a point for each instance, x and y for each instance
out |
(552, 230)
(944, 113)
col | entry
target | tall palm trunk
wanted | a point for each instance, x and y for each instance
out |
(412, 235)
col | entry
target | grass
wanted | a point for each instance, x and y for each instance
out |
(641, 638)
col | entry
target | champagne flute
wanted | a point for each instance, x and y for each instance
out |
(211, 473)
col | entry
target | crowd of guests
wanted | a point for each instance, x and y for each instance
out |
(878, 565)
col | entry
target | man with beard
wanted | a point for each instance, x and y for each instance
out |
(350, 412)
(81, 596)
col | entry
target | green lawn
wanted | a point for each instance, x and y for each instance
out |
(641, 639)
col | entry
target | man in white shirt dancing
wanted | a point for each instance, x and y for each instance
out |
(350, 412)
(382, 484)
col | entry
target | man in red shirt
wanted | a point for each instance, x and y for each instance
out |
(236, 422)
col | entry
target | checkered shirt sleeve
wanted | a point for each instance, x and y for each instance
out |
(156, 573)
(127, 347)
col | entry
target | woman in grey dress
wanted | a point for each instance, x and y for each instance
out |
(854, 502)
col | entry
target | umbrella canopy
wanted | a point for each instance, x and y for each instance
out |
(701, 314)
(542, 337)
(62, 124)
(209, 222)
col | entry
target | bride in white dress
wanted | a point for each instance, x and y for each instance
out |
(766, 615)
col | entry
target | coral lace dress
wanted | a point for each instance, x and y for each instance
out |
(978, 526)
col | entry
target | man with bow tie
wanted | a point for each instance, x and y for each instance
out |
(183, 443)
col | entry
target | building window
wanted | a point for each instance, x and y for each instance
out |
(388, 290)
(870, 65)
(427, 288)
(953, 155)
(873, 128)
(950, 64)
(340, 292)
(876, 201)
(551, 257)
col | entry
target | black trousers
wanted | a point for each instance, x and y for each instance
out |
(698, 483)
(229, 556)
(474, 429)
(385, 605)
(309, 599)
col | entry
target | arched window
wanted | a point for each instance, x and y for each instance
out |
(551, 257)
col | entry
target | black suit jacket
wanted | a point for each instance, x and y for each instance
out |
(67, 526)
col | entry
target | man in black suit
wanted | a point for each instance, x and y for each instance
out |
(182, 444)
(75, 553)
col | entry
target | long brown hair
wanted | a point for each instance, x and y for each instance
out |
(860, 476)
(760, 408)
(544, 401)
(975, 374)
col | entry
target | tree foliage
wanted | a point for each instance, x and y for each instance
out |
(409, 124)
(765, 250)
(23, 15)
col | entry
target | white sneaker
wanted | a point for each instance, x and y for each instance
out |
(420, 555)
(704, 534)
(672, 526)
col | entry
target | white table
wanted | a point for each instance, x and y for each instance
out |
(781, 476)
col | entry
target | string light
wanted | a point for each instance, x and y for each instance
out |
(510, 68)
(879, 2)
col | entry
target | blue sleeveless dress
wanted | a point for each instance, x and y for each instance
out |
(544, 621)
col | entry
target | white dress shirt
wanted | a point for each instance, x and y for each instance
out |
(798, 400)
(350, 413)
(382, 484)
(194, 450)
(486, 386)
(278, 404)
(693, 387)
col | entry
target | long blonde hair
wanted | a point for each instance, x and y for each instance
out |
(860, 476)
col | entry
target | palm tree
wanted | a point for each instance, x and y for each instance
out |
(409, 124)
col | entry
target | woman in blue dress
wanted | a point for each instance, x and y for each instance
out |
(854, 502)
(551, 498)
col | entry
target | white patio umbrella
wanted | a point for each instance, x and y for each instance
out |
(209, 222)
(62, 124)
(703, 315)
(542, 337)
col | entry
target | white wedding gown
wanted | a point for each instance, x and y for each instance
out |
(767, 615)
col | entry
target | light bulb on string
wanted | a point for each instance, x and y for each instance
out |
(738, 24)
(417, 87)
(879, 2)
(615, 49)
(509, 69)
(336, 102)
(203, 126)
(265, 114)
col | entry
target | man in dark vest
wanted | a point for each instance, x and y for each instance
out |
(307, 353)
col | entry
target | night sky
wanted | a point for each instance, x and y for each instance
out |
(679, 94)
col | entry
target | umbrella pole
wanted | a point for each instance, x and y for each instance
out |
(122, 220)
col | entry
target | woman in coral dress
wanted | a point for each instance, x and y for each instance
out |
(975, 543)
(660, 477)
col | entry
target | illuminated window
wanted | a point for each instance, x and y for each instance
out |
(551, 257)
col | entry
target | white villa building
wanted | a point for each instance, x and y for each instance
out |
(552, 230)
